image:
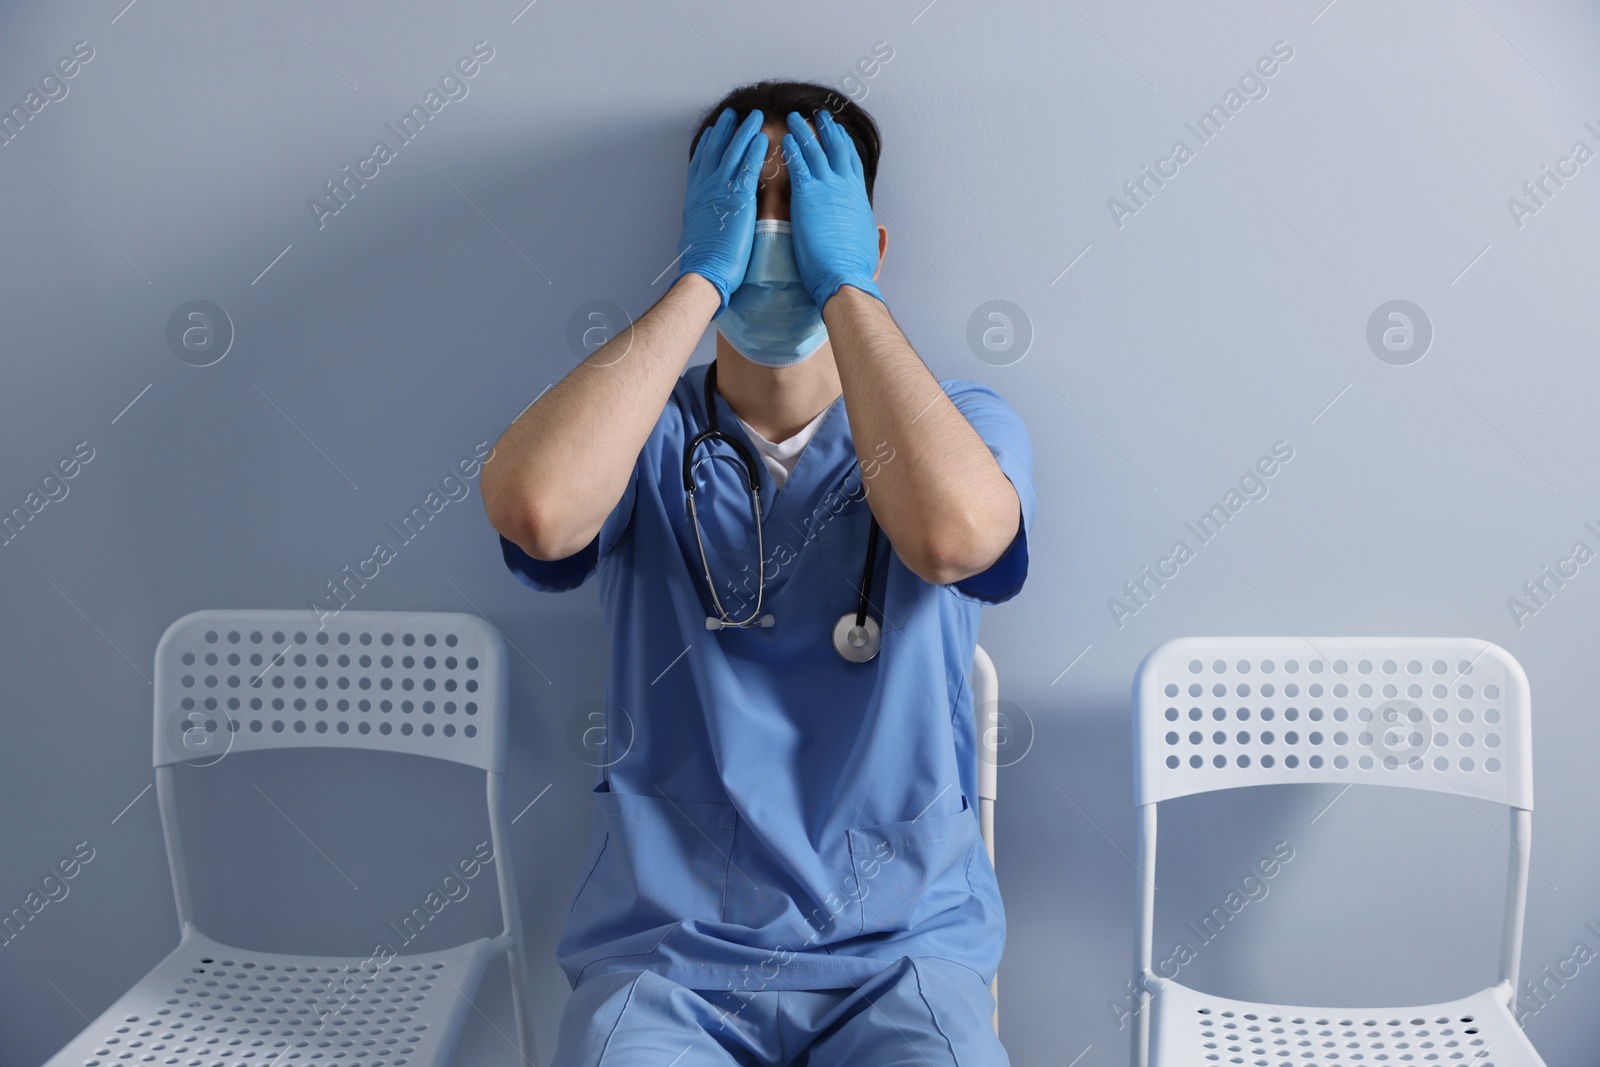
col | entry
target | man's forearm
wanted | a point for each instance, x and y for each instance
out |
(943, 501)
(563, 464)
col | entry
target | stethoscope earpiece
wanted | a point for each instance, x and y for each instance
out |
(856, 636)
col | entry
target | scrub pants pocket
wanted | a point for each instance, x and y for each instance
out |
(659, 862)
(907, 872)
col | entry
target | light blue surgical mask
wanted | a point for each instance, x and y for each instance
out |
(770, 318)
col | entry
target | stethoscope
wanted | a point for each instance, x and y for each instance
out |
(856, 635)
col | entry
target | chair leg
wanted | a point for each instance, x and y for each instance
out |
(520, 1005)
(1143, 1002)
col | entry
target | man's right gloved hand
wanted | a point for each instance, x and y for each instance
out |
(719, 209)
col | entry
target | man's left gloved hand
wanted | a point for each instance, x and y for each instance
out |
(835, 237)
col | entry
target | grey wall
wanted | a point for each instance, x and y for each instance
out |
(1229, 312)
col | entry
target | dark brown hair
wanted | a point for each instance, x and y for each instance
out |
(775, 99)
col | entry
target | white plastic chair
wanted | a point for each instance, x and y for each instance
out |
(424, 683)
(985, 719)
(1449, 715)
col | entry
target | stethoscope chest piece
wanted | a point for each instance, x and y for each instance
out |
(857, 642)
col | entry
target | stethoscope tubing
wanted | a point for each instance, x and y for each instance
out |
(867, 631)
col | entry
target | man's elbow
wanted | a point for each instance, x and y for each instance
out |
(537, 533)
(949, 567)
(946, 560)
(966, 549)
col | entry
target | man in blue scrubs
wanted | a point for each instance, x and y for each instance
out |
(785, 864)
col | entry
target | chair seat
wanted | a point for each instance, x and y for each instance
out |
(211, 1005)
(1194, 1029)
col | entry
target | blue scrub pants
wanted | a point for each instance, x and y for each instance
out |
(920, 1011)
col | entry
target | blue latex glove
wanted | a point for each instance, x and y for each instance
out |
(835, 237)
(719, 208)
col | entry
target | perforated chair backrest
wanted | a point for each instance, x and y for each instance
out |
(1444, 714)
(423, 683)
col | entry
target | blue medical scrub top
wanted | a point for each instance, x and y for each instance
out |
(767, 815)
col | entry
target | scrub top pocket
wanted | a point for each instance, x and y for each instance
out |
(907, 872)
(658, 862)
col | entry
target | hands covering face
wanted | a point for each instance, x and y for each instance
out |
(719, 209)
(835, 236)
